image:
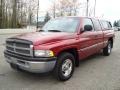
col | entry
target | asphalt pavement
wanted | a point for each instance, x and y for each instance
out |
(97, 72)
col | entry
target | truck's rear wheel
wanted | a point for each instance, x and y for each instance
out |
(107, 49)
(64, 67)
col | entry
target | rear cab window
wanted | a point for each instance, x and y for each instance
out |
(106, 25)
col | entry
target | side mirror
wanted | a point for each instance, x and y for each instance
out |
(88, 28)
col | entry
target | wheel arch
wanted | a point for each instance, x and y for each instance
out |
(111, 39)
(74, 52)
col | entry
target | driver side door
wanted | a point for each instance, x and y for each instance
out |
(87, 39)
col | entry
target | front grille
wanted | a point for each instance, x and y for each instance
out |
(21, 47)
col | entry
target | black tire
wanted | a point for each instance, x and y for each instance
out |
(107, 49)
(62, 59)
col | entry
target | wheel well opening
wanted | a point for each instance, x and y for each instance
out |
(74, 52)
(111, 39)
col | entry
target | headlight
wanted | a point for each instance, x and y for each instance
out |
(44, 53)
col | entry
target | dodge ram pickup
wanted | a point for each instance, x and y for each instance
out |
(59, 45)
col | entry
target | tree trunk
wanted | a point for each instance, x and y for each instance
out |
(1, 12)
(14, 18)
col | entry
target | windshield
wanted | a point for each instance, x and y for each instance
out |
(61, 25)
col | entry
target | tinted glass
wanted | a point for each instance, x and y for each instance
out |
(106, 25)
(96, 24)
(61, 24)
(109, 25)
(87, 21)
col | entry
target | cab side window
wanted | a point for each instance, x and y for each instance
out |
(106, 25)
(96, 24)
(109, 25)
(87, 21)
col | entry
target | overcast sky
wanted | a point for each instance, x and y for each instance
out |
(108, 9)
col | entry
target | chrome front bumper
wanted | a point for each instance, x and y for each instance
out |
(32, 66)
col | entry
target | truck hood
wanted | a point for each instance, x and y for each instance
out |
(45, 37)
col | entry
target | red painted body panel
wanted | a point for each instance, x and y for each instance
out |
(60, 41)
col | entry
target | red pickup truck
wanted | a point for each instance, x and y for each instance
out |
(60, 45)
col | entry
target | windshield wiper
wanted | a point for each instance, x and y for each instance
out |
(41, 30)
(54, 31)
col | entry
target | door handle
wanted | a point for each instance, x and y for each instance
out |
(96, 36)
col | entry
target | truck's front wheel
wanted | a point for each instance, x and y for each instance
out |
(64, 66)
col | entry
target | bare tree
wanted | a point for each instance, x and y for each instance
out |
(16, 13)
(32, 8)
(1, 1)
(14, 18)
(2, 14)
(65, 7)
